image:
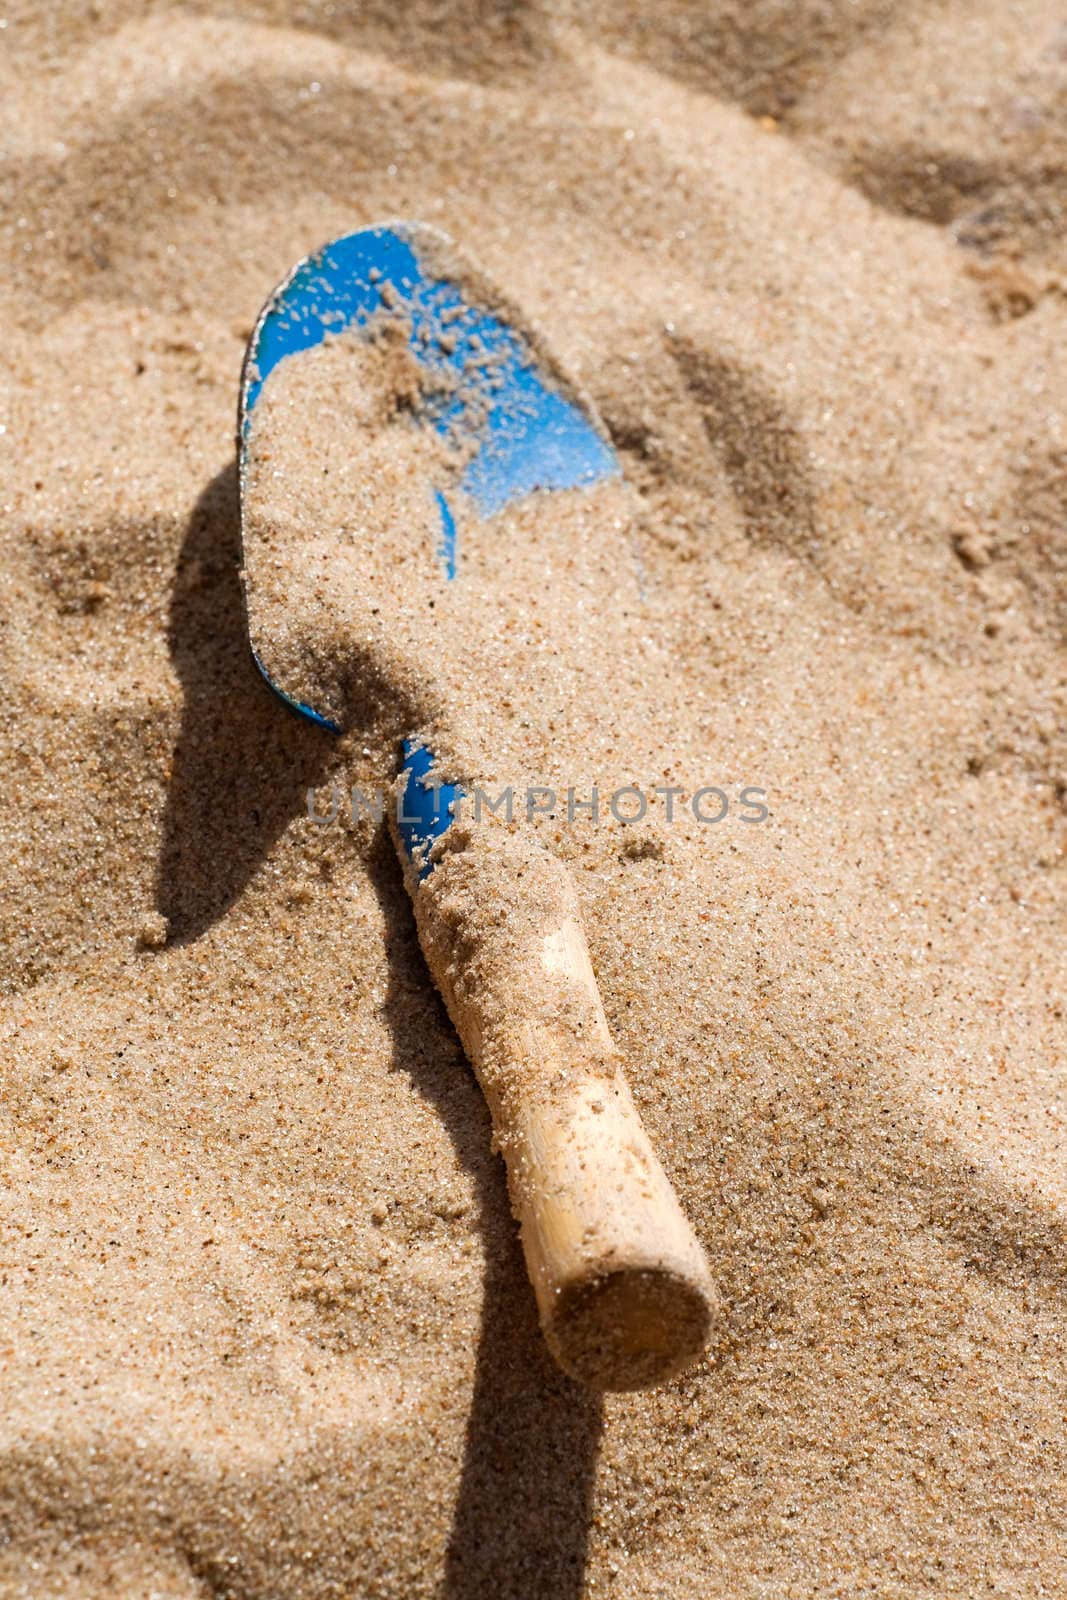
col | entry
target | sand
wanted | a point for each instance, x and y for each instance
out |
(266, 1329)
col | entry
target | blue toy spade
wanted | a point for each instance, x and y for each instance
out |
(622, 1284)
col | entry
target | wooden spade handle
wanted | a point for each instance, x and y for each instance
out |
(622, 1284)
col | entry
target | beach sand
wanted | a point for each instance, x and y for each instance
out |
(265, 1329)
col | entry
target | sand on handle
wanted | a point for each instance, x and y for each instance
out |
(623, 1287)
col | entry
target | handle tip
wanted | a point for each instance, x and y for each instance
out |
(631, 1328)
